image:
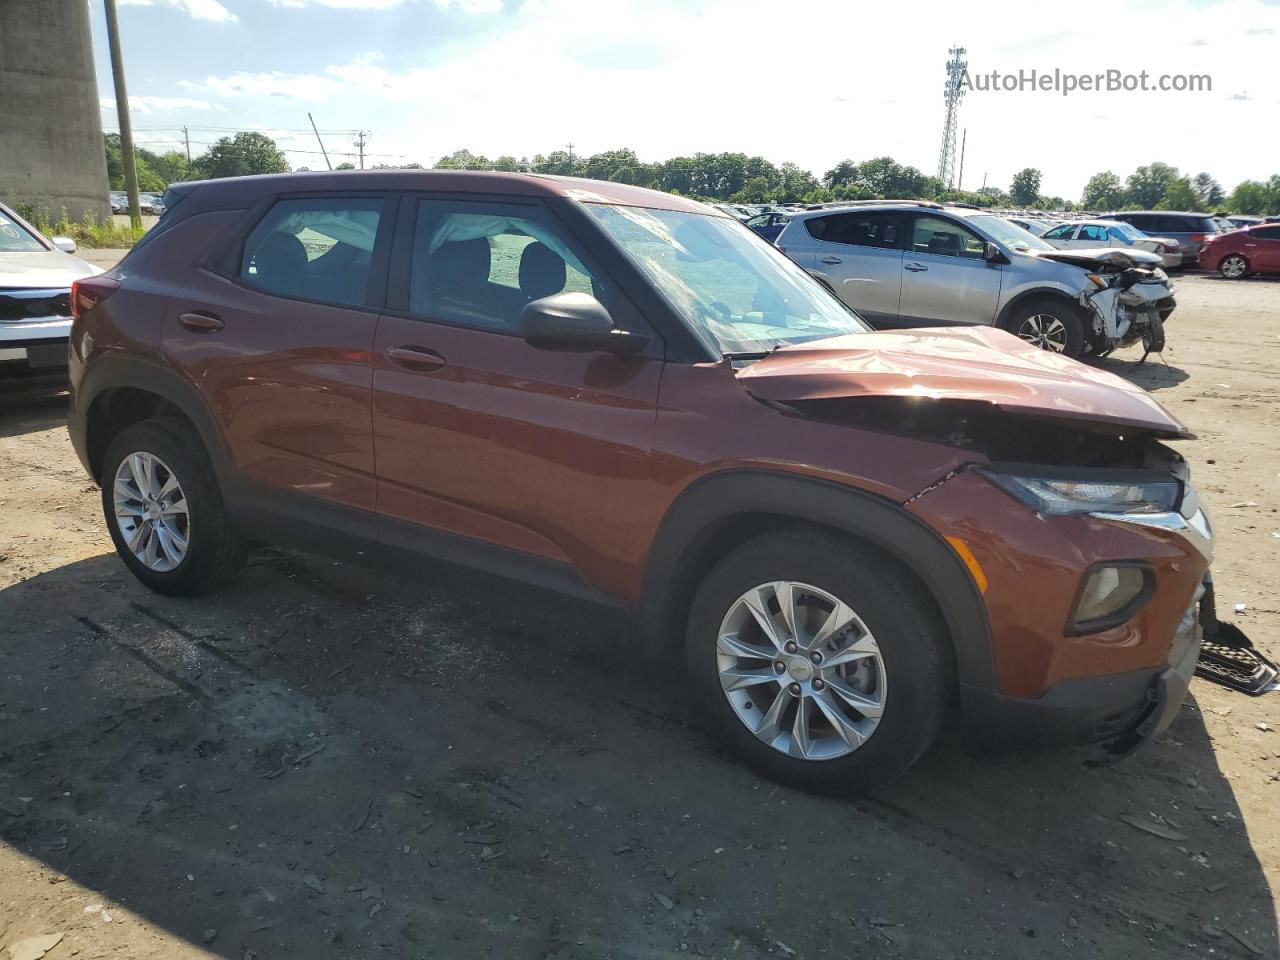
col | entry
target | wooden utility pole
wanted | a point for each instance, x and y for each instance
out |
(187, 137)
(319, 141)
(122, 113)
(360, 141)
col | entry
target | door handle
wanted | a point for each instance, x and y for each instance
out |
(832, 260)
(415, 358)
(201, 322)
(915, 267)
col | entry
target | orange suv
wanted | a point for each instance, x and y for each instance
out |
(629, 397)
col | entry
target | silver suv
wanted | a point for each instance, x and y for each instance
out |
(920, 264)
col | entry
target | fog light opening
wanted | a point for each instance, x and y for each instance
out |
(1109, 595)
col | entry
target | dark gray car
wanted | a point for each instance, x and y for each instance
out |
(1191, 230)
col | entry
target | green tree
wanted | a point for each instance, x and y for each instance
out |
(846, 171)
(796, 183)
(243, 155)
(1249, 197)
(559, 163)
(1209, 191)
(345, 165)
(1146, 186)
(508, 163)
(603, 166)
(1025, 188)
(1180, 195)
(144, 161)
(1104, 191)
(463, 160)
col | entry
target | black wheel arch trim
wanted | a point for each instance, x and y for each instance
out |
(114, 371)
(1043, 293)
(880, 522)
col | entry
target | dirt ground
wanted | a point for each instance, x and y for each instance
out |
(323, 762)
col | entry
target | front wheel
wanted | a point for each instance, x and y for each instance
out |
(1234, 267)
(164, 509)
(1050, 325)
(818, 664)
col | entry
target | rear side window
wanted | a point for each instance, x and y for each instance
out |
(857, 229)
(1267, 233)
(1098, 234)
(314, 249)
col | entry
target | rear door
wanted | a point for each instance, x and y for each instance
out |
(859, 255)
(480, 436)
(281, 345)
(1262, 247)
(945, 278)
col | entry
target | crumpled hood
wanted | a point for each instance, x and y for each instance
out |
(973, 364)
(47, 268)
(1122, 257)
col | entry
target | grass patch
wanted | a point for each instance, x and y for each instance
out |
(87, 232)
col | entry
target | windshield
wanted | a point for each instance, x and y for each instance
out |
(739, 295)
(1010, 234)
(1125, 232)
(14, 238)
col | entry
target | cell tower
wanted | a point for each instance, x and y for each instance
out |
(953, 93)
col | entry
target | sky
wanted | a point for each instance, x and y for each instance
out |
(809, 81)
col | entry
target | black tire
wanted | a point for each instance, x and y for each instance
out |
(1019, 323)
(1223, 268)
(215, 552)
(911, 641)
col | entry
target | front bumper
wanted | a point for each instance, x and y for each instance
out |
(37, 344)
(1123, 711)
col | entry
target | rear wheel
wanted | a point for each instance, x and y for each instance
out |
(1051, 325)
(164, 509)
(1234, 267)
(818, 665)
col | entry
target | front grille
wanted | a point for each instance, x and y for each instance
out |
(17, 306)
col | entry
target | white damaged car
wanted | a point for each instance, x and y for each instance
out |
(35, 298)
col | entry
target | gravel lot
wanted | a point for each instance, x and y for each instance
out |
(325, 762)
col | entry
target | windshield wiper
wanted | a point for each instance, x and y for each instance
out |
(746, 354)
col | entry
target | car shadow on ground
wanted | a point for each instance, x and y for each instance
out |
(28, 409)
(325, 761)
(1155, 373)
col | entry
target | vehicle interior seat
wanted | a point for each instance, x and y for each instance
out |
(945, 244)
(281, 264)
(542, 271)
(458, 287)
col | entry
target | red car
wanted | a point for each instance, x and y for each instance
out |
(627, 396)
(1240, 253)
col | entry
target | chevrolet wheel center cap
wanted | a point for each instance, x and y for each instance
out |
(800, 670)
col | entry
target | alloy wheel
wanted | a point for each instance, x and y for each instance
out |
(1233, 267)
(801, 670)
(151, 512)
(1045, 331)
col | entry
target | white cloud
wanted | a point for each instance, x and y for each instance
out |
(147, 104)
(465, 6)
(199, 9)
(669, 78)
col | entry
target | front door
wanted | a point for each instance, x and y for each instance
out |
(281, 348)
(479, 435)
(945, 277)
(1262, 246)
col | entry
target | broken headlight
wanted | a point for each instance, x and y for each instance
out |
(1057, 497)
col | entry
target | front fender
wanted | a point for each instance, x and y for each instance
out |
(677, 560)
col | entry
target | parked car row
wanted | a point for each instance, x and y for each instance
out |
(922, 264)
(152, 203)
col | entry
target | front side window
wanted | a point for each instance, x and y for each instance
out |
(478, 264)
(735, 292)
(14, 237)
(857, 229)
(1060, 233)
(314, 249)
(945, 238)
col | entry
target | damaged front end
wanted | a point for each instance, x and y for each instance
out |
(1128, 299)
(1078, 525)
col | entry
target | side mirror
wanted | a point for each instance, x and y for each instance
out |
(992, 254)
(575, 322)
(65, 244)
